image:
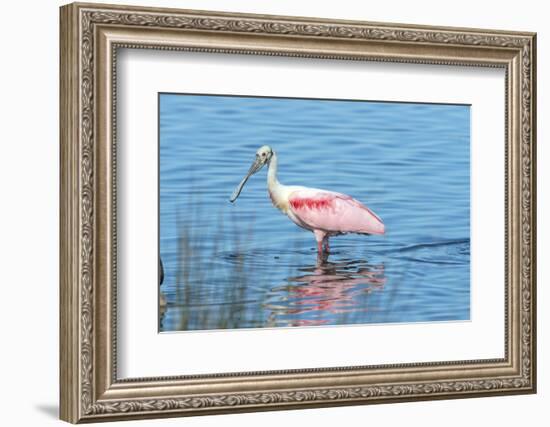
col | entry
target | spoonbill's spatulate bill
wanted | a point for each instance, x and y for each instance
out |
(325, 213)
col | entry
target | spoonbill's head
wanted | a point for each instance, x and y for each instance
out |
(263, 156)
(264, 153)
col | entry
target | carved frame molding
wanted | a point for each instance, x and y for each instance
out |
(90, 37)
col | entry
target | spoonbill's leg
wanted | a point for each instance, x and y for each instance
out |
(319, 236)
(327, 245)
(321, 260)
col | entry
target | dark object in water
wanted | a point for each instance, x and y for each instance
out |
(162, 298)
(161, 272)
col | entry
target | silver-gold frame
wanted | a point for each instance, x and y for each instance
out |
(90, 37)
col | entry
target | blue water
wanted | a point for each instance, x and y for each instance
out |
(246, 265)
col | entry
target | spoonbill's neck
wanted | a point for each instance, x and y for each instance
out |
(272, 180)
(274, 187)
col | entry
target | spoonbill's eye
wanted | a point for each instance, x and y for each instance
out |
(263, 154)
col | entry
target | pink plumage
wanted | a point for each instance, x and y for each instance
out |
(333, 213)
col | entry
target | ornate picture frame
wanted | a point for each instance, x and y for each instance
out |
(91, 34)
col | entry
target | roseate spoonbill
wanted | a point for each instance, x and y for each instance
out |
(323, 212)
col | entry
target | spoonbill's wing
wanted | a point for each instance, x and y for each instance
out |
(334, 212)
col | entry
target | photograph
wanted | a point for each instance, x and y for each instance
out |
(294, 212)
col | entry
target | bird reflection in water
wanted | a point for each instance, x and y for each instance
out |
(325, 292)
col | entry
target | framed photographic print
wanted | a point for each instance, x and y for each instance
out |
(267, 212)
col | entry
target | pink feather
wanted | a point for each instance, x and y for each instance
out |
(333, 212)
